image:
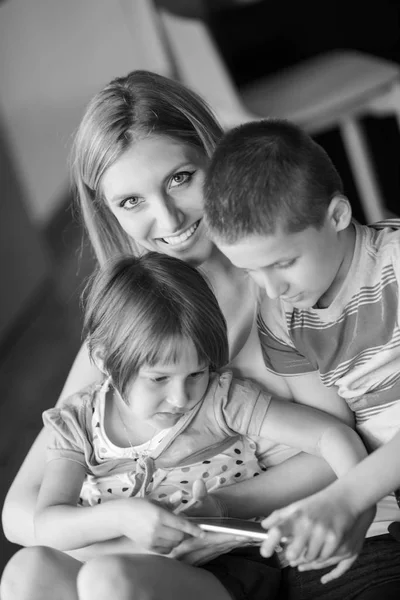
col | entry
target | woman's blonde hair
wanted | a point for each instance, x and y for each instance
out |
(127, 109)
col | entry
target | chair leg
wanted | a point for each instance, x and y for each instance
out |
(363, 170)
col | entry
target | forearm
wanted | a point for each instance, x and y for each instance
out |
(342, 448)
(372, 479)
(292, 480)
(67, 527)
(20, 502)
(121, 545)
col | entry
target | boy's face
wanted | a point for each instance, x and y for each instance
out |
(302, 268)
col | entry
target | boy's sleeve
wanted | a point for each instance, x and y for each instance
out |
(66, 437)
(240, 406)
(279, 353)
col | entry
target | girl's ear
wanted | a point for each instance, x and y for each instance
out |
(339, 212)
(98, 359)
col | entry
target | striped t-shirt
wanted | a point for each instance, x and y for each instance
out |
(360, 327)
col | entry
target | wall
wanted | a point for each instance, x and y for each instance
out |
(54, 55)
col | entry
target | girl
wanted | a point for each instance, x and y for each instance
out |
(163, 418)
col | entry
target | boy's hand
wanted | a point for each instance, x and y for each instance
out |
(152, 526)
(316, 527)
(348, 553)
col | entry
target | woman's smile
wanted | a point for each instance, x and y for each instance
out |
(180, 239)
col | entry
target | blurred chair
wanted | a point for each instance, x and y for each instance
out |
(333, 89)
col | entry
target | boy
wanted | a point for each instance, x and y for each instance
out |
(275, 206)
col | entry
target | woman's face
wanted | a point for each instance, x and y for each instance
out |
(155, 191)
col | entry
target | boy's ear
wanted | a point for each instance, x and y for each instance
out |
(98, 360)
(339, 212)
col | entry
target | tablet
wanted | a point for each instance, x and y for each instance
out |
(241, 527)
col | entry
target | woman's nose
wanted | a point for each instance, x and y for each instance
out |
(170, 217)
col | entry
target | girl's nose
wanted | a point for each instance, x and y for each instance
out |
(178, 396)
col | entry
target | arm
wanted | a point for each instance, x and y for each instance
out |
(61, 524)
(292, 480)
(308, 389)
(361, 490)
(21, 499)
(315, 432)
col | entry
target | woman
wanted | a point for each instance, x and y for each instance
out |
(138, 164)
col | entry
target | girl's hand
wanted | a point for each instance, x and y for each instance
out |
(152, 526)
(202, 503)
(316, 528)
(197, 551)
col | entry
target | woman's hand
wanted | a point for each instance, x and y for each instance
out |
(197, 551)
(152, 526)
(316, 528)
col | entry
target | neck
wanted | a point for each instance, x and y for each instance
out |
(347, 241)
(218, 265)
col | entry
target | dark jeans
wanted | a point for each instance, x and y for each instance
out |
(246, 574)
(374, 576)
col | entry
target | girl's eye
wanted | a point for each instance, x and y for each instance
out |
(181, 178)
(197, 375)
(159, 379)
(129, 203)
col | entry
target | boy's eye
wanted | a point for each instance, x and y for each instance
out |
(129, 203)
(286, 264)
(180, 178)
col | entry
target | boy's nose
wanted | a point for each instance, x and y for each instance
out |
(274, 286)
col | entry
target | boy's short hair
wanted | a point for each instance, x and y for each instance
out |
(139, 309)
(264, 175)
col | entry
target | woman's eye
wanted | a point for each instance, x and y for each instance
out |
(130, 203)
(180, 178)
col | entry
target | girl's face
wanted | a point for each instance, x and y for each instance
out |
(155, 192)
(161, 394)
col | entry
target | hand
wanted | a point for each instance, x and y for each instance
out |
(202, 503)
(342, 562)
(197, 551)
(152, 526)
(316, 527)
(348, 553)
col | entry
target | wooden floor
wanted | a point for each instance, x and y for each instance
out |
(33, 367)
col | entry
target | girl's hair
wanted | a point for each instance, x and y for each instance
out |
(127, 109)
(138, 310)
